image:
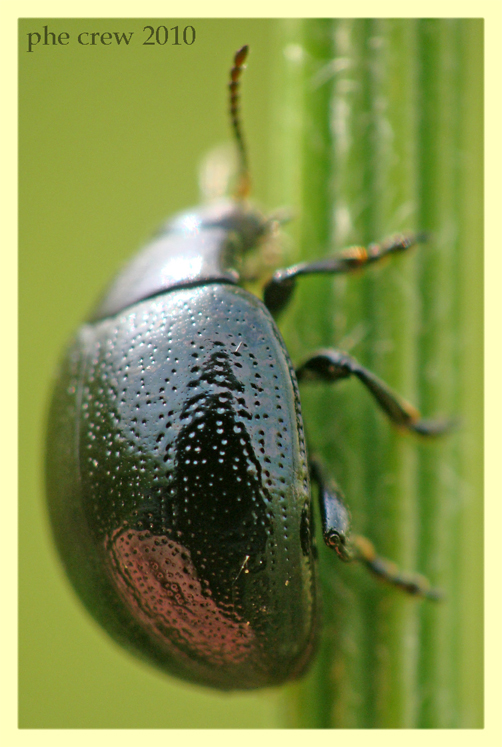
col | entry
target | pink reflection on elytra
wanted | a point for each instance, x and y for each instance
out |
(158, 582)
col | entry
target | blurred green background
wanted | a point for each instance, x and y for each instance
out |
(111, 140)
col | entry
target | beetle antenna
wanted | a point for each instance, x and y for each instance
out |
(244, 182)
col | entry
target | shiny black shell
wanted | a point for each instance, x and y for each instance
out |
(177, 473)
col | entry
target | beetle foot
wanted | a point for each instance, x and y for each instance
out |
(411, 583)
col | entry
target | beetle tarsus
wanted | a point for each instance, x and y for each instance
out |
(412, 583)
(431, 428)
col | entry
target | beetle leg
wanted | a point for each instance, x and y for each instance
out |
(412, 583)
(336, 534)
(279, 289)
(332, 365)
(335, 517)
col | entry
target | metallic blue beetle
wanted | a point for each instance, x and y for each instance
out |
(177, 471)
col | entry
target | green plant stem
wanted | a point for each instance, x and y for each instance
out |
(385, 135)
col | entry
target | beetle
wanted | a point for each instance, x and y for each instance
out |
(178, 477)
